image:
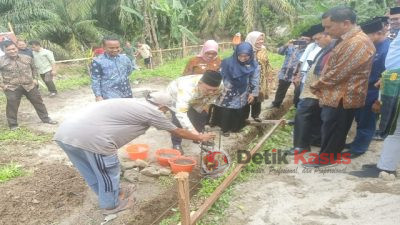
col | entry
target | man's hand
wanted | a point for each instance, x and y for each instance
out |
(250, 99)
(194, 131)
(99, 98)
(206, 137)
(35, 82)
(378, 84)
(53, 73)
(376, 106)
(296, 80)
(315, 90)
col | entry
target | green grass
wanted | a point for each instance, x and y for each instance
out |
(22, 135)
(174, 69)
(72, 77)
(275, 60)
(9, 171)
(170, 70)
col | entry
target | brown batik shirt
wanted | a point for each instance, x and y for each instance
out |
(345, 76)
(17, 72)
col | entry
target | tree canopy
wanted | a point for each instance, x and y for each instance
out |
(71, 26)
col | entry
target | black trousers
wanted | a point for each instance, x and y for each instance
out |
(14, 100)
(229, 120)
(198, 120)
(280, 94)
(296, 97)
(307, 126)
(336, 123)
(48, 80)
(254, 108)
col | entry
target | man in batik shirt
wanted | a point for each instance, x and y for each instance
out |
(110, 72)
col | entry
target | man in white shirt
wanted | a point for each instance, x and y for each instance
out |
(145, 51)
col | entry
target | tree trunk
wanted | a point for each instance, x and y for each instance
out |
(184, 50)
(153, 31)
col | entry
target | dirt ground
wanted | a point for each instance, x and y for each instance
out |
(314, 197)
(53, 192)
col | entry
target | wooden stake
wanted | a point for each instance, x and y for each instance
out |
(228, 180)
(10, 27)
(183, 197)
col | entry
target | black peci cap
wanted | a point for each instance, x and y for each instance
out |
(211, 78)
(384, 19)
(313, 30)
(372, 26)
(318, 28)
(394, 10)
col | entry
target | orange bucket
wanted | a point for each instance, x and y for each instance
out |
(137, 151)
(163, 155)
(182, 164)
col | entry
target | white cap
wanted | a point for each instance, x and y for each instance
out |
(161, 98)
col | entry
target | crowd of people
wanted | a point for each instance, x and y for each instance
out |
(341, 72)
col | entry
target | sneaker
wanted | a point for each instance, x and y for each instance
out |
(179, 148)
(50, 121)
(52, 95)
(14, 128)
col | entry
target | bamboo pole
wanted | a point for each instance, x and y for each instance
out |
(183, 197)
(72, 60)
(228, 180)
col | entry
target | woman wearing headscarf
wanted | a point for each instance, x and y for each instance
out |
(241, 81)
(256, 39)
(208, 59)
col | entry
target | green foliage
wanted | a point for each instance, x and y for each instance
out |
(23, 135)
(170, 70)
(9, 171)
(218, 13)
(72, 82)
(275, 60)
(72, 77)
(173, 220)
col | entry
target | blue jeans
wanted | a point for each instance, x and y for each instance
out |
(101, 173)
(366, 125)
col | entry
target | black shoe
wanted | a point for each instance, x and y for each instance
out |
(290, 122)
(50, 121)
(293, 151)
(226, 134)
(14, 128)
(354, 155)
(316, 164)
(257, 119)
(179, 148)
(53, 94)
(378, 137)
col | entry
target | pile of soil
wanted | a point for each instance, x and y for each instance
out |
(49, 193)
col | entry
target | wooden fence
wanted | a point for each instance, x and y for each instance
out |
(162, 56)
